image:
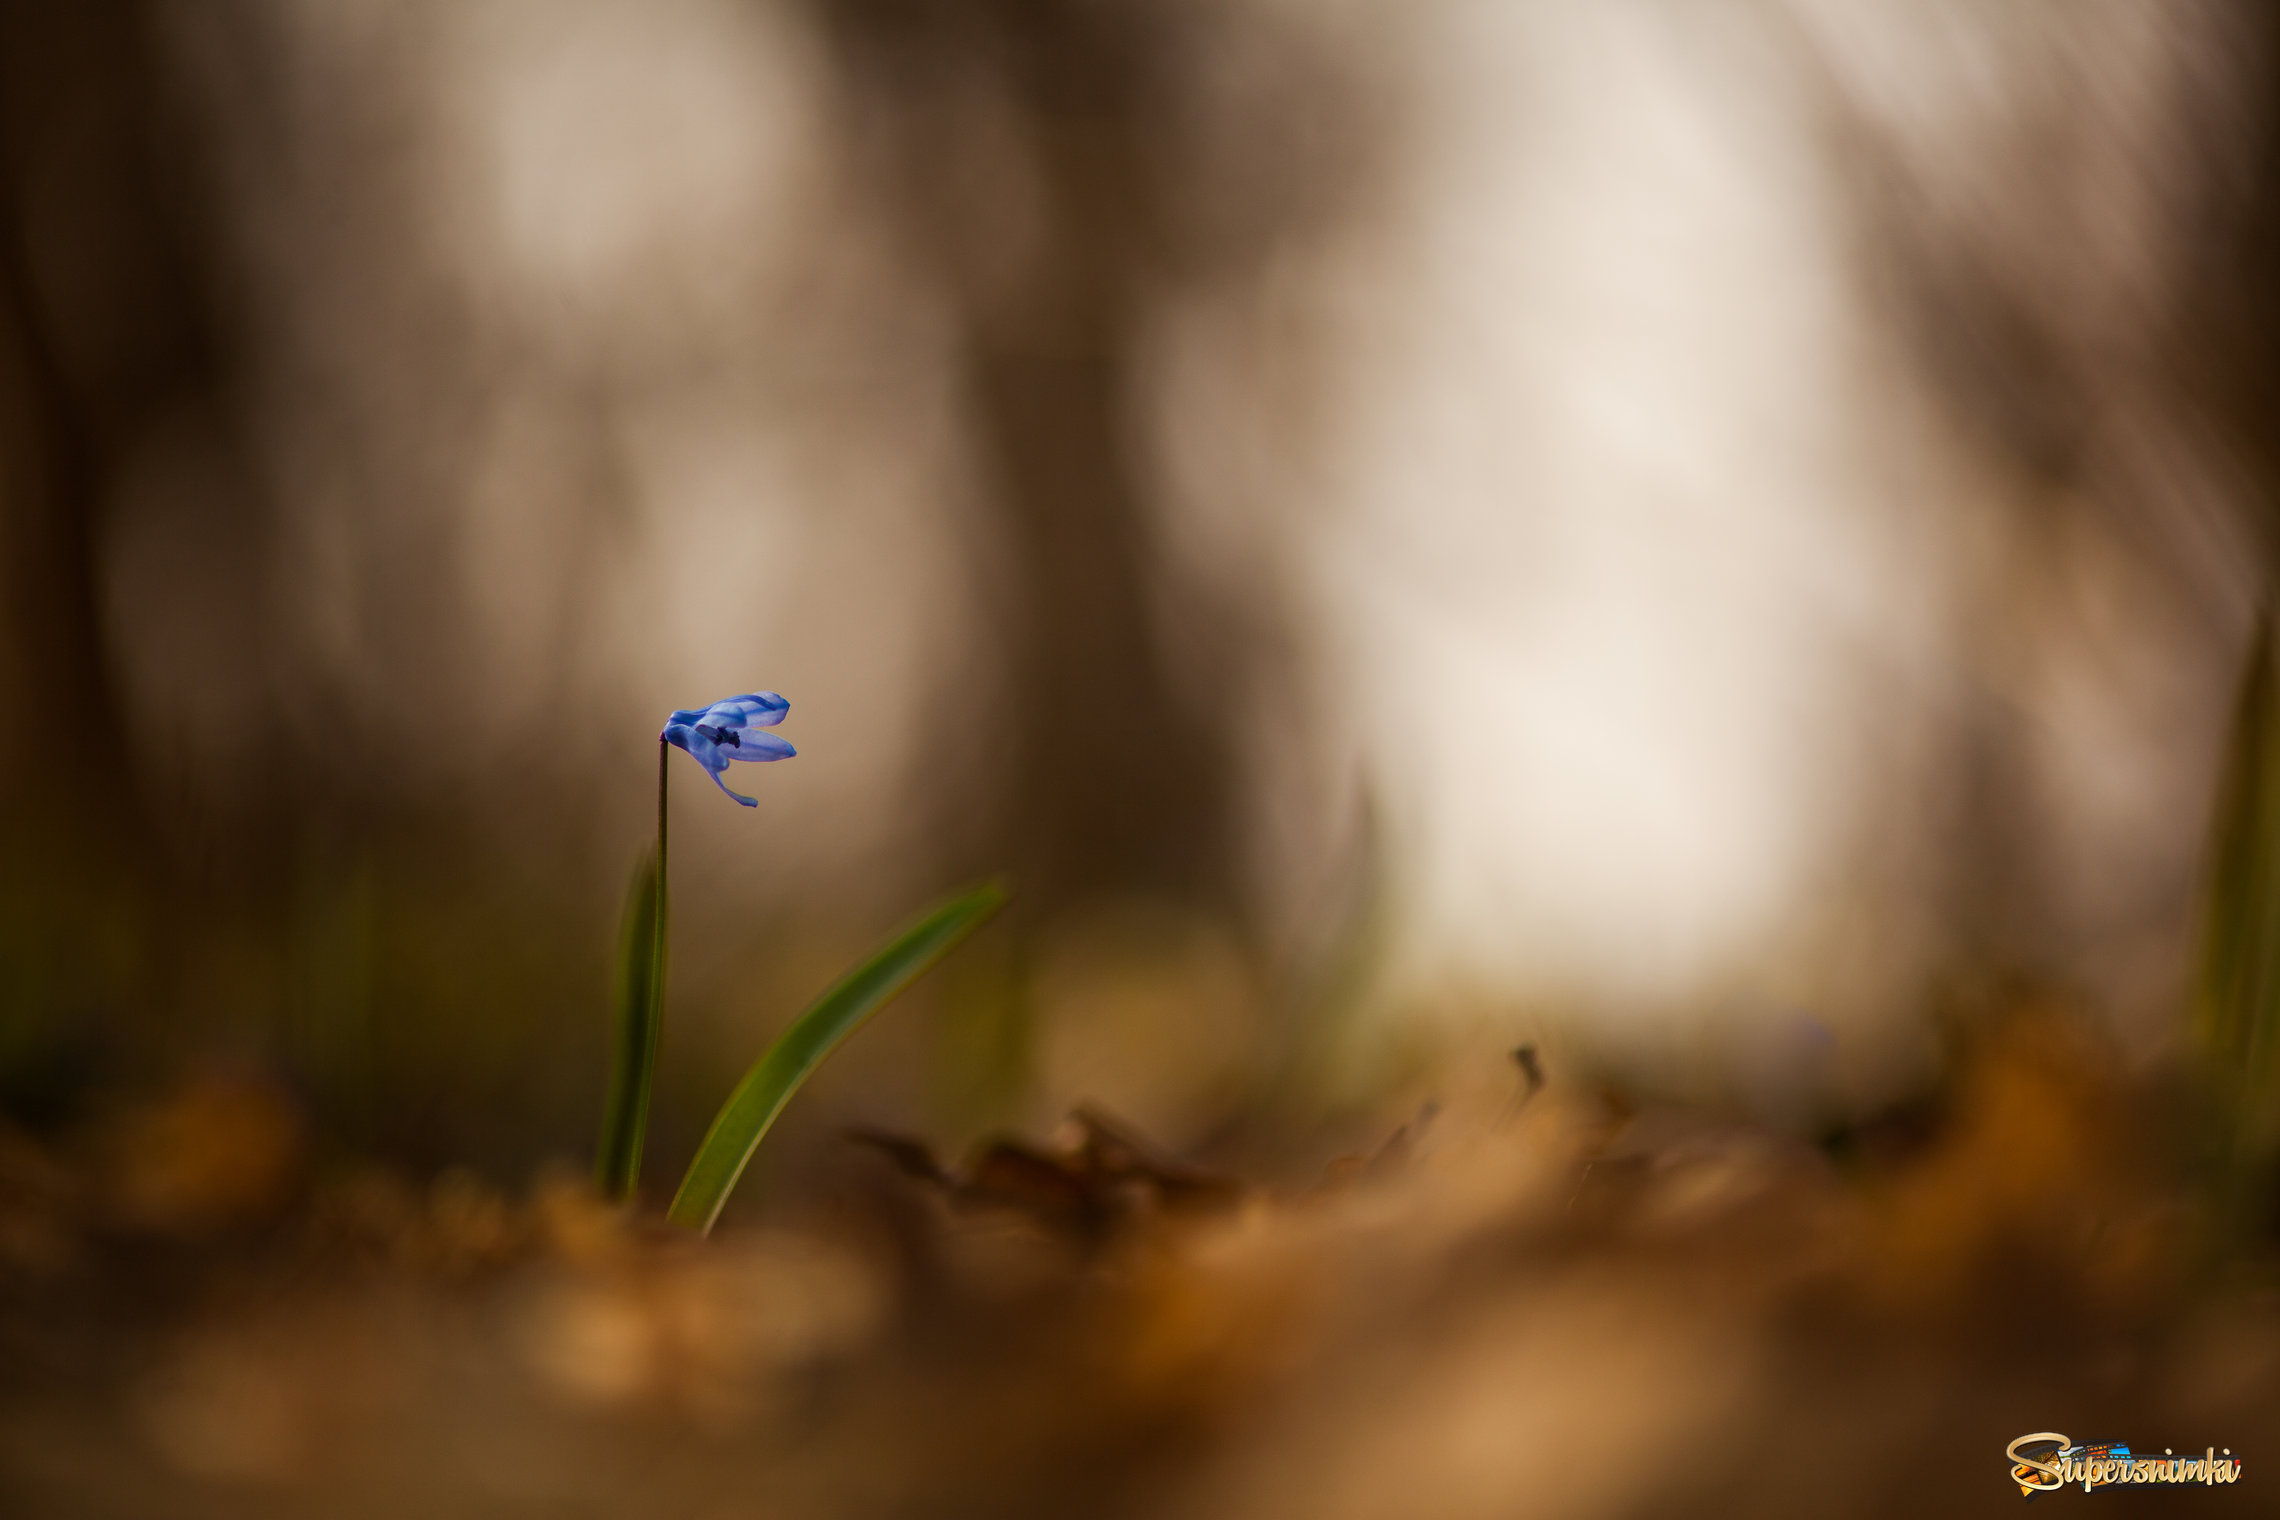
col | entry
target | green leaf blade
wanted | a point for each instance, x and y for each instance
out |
(744, 1120)
(639, 1017)
(2239, 992)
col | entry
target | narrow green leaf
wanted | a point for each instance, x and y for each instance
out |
(2239, 992)
(640, 1014)
(769, 1085)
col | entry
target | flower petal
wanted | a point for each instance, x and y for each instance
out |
(753, 745)
(754, 709)
(699, 744)
(739, 796)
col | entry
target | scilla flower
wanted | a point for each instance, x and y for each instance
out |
(730, 730)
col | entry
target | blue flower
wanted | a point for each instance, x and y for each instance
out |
(729, 730)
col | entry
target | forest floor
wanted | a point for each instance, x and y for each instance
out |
(1568, 1306)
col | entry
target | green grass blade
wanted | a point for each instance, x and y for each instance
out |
(769, 1085)
(2239, 994)
(640, 1014)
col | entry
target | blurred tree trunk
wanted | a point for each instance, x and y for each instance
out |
(66, 74)
(108, 335)
(2059, 398)
(1028, 152)
(2229, 341)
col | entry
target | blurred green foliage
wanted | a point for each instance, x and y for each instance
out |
(2239, 995)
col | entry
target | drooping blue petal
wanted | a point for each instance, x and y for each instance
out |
(701, 748)
(697, 741)
(739, 796)
(751, 744)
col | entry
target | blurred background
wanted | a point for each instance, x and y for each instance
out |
(1704, 536)
(1709, 544)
